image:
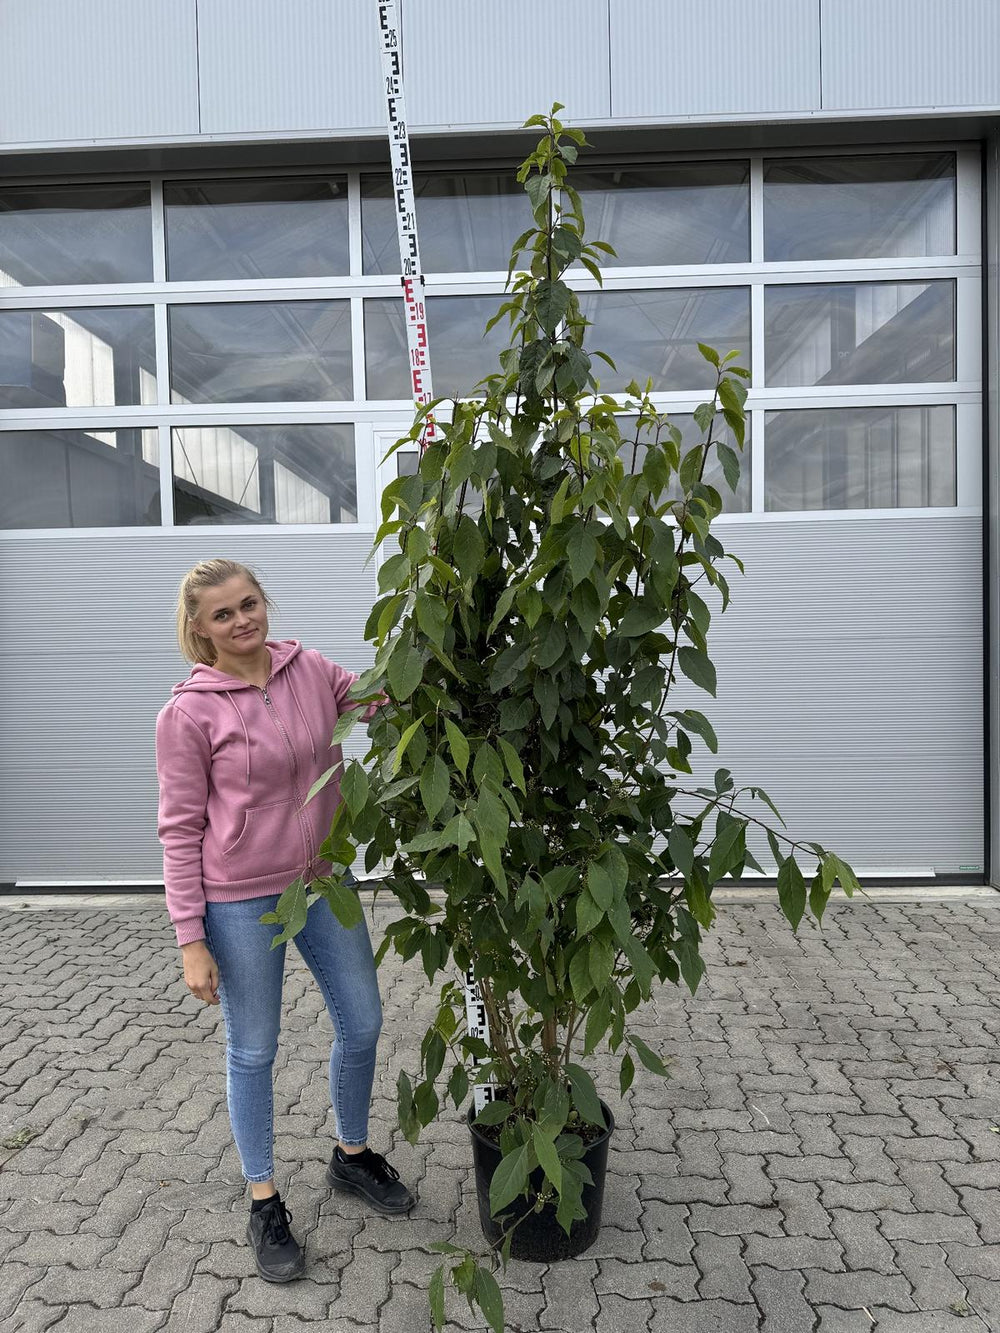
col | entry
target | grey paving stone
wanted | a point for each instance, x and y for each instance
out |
(927, 1227)
(858, 1289)
(930, 1321)
(723, 1273)
(701, 1317)
(639, 1280)
(834, 1320)
(102, 1287)
(85, 1318)
(618, 1315)
(793, 1253)
(783, 1307)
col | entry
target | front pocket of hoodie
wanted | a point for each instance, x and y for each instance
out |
(269, 841)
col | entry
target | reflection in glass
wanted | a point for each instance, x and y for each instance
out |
(286, 228)
(77, 358)
(860, 458)
(468, 222)
(55, 235)
(686, 213)
(655, 334)
(265, 474)
(871, 207)
(79, 479)
(460, 354)
(633, 454)
(260, 352)
(860, 333)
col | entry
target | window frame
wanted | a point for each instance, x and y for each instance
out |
(372, 417)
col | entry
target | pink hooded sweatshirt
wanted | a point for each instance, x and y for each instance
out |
(235, 764)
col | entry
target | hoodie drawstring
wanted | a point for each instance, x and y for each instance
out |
(295, 701)
(246, 734)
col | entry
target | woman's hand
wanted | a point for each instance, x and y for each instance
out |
(201, 973)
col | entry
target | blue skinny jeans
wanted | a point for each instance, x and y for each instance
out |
(250, 982)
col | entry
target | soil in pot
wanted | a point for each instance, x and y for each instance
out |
(540, 1238)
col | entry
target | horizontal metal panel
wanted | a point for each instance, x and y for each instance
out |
(910, 53)
(107, 69)
(481, 64)
(688, 58)
(297, 65)
(850, 682)
(88, 658)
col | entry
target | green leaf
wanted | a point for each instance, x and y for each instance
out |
(393, 572)
(649, 1058)
(488, 1297)
(469, 548)
(681, 850)
(599, 882)
(404, 742)
(354, 787)
(691, 720)
(510, 1178)
(458, 745)
(581, 550)
(585, 1098)
(727, 835)
(406, 669)
(434, 785)
(588, 914)
(709, 353)
(432, 616)
(548, 1158)
(579, 973)
(697, 666)
(602, 961)
(321, 781)
(291, 908)
(791, 891)
(494, 1113)
(346, 724)
(435, 1293)
(626, 1073)
(514, 766)
(552, 300)
(643, 615)
(344, 901)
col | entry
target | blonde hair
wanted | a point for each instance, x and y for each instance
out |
(207, 574)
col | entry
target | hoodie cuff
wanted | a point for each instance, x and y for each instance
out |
(190, 929)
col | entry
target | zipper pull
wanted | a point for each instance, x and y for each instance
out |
(266, 696)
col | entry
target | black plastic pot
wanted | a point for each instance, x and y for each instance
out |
(539, 1237)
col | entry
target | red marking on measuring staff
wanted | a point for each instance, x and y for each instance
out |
(406, 213)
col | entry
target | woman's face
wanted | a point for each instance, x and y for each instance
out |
(234, 617)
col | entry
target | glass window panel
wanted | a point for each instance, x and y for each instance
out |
(79, 479)
(460, 354)
(260, 352)
(879, 206)
(633, 454)
(860, 458)
(697, 213)
(265, 474)
(53, 235)
(860, 333)
(655, 334)
(467, 222)
(285, 228)
(77, 358)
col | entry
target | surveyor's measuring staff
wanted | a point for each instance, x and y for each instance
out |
(418, 345)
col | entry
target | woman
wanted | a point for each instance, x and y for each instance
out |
(238, 747)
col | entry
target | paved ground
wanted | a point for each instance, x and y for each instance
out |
(826, 1155)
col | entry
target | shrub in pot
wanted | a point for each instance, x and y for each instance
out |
(557, 573)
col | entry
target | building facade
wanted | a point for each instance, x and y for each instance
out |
(202, 353)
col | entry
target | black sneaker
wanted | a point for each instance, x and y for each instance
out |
(370, 1175)
(279, 1258)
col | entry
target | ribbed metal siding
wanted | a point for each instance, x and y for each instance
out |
(690, 58)
(910, 53)
(104, 69)
(850, 669)
(293, 65)
(851, 684)
(991, 261)
(87, 658)
(489, 63)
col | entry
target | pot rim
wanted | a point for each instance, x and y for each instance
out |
(608, 1115)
